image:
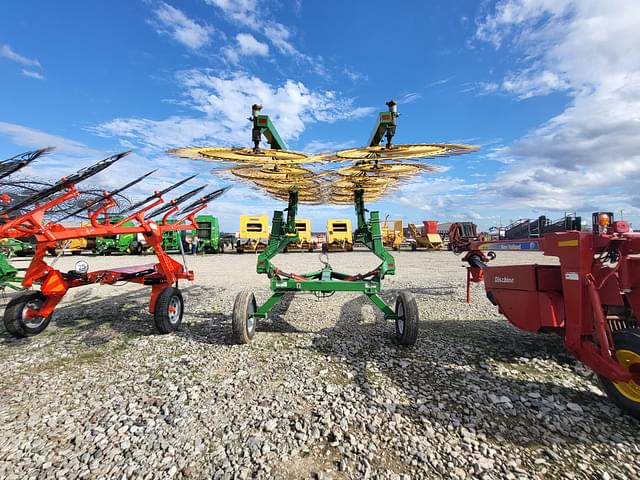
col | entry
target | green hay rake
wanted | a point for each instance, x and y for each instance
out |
(372, 171)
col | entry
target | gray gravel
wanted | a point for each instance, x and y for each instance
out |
(323, 391)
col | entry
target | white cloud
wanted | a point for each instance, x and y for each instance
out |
(354, 75)
(244, 12)
(7, 52)
(173, 22)
(250, 14)
(442, 81)
(588, 156)
(320, 146)
(32, 74)
(71, 155)
(409, 98)
(247, 45)
(33, 138)
(250, 46)
(224, 102)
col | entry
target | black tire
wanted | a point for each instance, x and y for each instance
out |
(627, 340)
(243, 322)
(408, 318)
(168, 310)
(414, 247)
(76, 252)
(14, 315)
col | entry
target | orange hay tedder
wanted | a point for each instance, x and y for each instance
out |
(29, 313)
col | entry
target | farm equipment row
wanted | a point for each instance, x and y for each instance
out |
(29, 312)
(208, 234)
(591, 299)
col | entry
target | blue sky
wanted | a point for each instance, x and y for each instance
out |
(549, 89)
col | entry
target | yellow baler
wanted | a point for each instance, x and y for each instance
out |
(339, 235)
(303, 227)
(254, 233)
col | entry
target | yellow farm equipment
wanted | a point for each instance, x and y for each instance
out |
(254, 233)
(428, 238)
(392, 234)
(339, 235)
(304, 243)
(75, 246)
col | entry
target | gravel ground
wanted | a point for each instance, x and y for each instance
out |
(323, 391)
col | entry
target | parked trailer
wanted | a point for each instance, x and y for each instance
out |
(392, 234)
(428, 238)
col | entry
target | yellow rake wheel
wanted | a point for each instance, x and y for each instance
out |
(388, 168)
(397, 152)
(365, 182)
(304, 184)
(264, 156)
(256, 172)
(308, 197)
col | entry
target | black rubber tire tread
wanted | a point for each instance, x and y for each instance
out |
(627, 339)
(13, 315)
(411, 319)
(241, 334)
(161, 313)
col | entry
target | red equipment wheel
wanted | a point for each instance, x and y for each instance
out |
(407, 319)
(626, 395)
(17, 320)
(243, 321)
(168, 311)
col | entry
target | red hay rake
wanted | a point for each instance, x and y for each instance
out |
(29, 313)
(592, 299)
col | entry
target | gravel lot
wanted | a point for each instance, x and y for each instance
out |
(323, 391)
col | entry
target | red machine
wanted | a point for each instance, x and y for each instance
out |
(29, 313)
(592, 299)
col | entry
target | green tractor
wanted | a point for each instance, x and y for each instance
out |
(171, 240)
(19, 247)
(122, 243)
(208, 236)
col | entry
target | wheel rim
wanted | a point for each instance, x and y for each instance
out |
(174, 310)
(29, 321)
(630, 362)
(251, 320)
(400, 315)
